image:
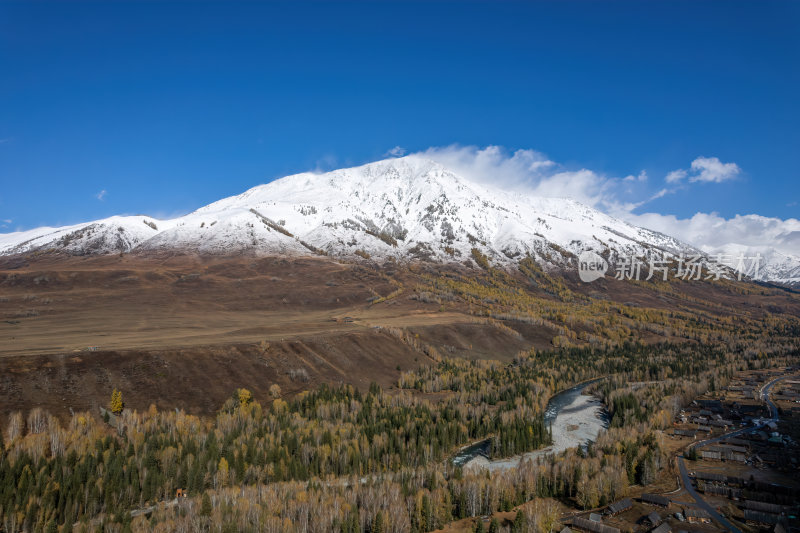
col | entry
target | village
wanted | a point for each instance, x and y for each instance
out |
(737, 458)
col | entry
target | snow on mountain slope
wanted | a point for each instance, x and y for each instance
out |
(405, 208)
(763, 263)
(114, 234)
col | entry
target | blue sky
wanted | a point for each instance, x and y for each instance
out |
(168, 107)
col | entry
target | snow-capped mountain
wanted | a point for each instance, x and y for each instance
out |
(763, 263)
(405, 208)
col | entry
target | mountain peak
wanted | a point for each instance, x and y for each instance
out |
(405, 208)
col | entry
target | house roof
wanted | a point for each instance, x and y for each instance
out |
(621, 505)
(763, 506)
(762, 517)
(597, 527)
(663, 528)
(696, 513)
(656, 499)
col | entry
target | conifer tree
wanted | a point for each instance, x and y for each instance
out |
(205, 506)
(377, 524)
(520, 524)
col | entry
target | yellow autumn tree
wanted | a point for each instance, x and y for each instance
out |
(116, 404)
(245, 396)
(222, 473)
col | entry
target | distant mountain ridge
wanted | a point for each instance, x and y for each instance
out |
(403, 208)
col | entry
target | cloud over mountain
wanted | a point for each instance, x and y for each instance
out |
(533, 172)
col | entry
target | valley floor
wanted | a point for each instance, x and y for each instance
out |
(368, 375)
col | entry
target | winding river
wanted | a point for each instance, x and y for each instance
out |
(575, 419)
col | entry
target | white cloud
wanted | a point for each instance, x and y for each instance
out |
(492, 163)
(326, 163)
(532, 172)
(641, 177)
(397, 151)
(711, 232)
(527, 170)
(675, 176)
(662, 193)
(711, 169)
(536, 174)
(7, 221)
(707, 170)
(101, 195)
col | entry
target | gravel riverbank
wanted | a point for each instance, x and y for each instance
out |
(575, 424)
